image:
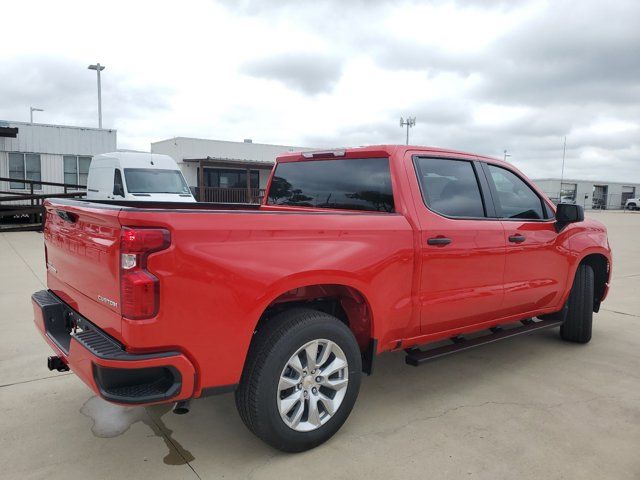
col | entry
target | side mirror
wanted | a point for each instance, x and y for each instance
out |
(567, 213)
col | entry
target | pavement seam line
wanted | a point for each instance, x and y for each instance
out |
(23, 260)
(168, 439)
(627, 276)
(36, 379)
(536, 406)
(620, 313)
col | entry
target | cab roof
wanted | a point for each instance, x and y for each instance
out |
(384, 151)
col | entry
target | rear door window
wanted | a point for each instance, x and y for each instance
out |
(350, 184)
(515, 199)
(450, 187)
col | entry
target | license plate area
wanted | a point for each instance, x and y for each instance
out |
(60, 321)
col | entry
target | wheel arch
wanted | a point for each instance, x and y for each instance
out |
(342, 300)
(601, 266)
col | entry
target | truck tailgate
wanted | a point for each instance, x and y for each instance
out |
(82, 254)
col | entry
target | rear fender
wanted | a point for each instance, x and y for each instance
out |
(286, 290)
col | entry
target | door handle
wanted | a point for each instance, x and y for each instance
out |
(517, 238)
(439, 241)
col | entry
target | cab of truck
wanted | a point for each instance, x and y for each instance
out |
(146, 177)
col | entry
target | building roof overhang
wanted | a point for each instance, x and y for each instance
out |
(229, 162)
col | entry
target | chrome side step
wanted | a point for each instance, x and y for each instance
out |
(417, 357)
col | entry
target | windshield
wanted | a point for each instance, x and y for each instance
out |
(146, 180)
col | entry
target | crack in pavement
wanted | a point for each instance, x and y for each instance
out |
(626, 276)
(36, 379)
(262, 464)
(620, 313)
(536, 406)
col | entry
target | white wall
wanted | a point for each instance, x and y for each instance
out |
(190, 172)
(584, 190)
(52, 142)
(180, 148)
(59, 139)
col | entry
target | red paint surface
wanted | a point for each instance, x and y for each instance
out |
(224, 268)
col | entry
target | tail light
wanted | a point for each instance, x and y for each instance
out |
(139, 289)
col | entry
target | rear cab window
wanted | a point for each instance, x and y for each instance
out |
(346, 184)
(450, 187)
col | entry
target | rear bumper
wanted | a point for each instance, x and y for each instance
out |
(104, 364)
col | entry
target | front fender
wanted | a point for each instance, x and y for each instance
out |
(583, 240)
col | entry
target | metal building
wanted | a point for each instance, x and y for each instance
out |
(48, 153)
(591, 194)
(223, 171)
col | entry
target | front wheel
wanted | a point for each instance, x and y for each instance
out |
(300, 381)
(577, 326)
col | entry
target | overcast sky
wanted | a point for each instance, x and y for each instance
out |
(481, 76)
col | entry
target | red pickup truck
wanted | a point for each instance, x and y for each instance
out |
(352, 253)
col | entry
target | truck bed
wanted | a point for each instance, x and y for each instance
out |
(161, 205)
(225, 265)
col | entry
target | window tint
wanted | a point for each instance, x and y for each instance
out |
(71, 169)
(230, 178)
(76, 169)
(83, 169)
(32, 166)
(146, 180)
(118, 188)
(450, 187)
(24, 166)
(358, 184)
(515, 198)
(16, 169)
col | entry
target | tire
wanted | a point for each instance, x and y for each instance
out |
(577, 326)
(631, 206)
(259, 397)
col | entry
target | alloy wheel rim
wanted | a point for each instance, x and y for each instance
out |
(312, 385)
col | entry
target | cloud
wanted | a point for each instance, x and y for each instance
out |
(559, 55)
(308, 73)
(479, 75)
(576, 55)
(67, 92)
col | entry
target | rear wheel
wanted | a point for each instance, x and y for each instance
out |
(300, 381)
(577, 326)
(631, 206)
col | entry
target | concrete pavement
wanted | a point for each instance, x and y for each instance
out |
(528, 408)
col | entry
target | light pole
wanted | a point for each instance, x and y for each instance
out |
(34, 109)
(409, 122)
(564, 151)
(506, 155)
(98, 68)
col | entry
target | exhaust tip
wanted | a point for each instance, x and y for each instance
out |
(182, 407)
